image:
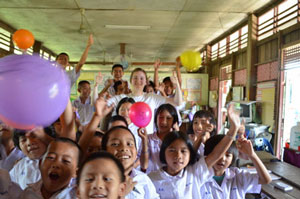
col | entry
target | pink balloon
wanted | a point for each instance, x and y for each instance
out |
(140, 114)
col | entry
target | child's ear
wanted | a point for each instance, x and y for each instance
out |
(78, 90)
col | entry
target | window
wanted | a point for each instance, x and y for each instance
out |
(244, 36)
(278, 18)
(231, 43)
(4, 39)
(234, 42)
(214, 51)
(46, 55)
(222, 48)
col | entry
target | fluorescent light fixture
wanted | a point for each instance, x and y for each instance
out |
(127, 27)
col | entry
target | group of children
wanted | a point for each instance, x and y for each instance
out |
(121, 160)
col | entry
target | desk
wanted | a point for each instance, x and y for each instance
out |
(289, 174)
(286, 171)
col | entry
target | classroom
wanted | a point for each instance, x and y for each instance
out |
(151, 99)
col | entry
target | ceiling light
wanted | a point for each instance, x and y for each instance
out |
(127, 27)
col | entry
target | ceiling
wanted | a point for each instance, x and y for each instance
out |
(175, 25)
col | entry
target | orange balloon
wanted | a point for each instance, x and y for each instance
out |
(23, 38)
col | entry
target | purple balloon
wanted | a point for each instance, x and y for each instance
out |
(33, 91)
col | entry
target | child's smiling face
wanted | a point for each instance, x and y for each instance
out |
(164, 122)
(100, 181)
(122, 145)
(32, 145)
(177, 156)
(223, 163)
(58, 166)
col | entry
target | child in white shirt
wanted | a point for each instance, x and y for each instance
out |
(120, 142)
(58, 167)
(231, 182)
(180, 178)
(203, 125)
(33, 144)
(165, 120)
(106, 181)
(9, 153)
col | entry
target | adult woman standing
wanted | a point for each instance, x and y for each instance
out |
(138, 80)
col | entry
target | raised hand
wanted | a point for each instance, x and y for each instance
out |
(242, 129)
(209, 127)
(157, 64)
(245, 147)
(160, 87)
(178, 62)
(175, 127)
(129, 185)
(101, 107)
(143, 134)
(233, 117)
(174, 79)
(99, 79)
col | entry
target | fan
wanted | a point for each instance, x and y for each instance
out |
(123, 59)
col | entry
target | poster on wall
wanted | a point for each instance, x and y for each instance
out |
(193, 84)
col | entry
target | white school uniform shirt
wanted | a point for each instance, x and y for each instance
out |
(144, 189)
(138, 139)
(185, 185)
(154, 144)
(7, 161)
(73, 76)
(201, 150)
(85, 110)
(25, 172)
(8, 189)
(33, 191)
(153, 100)
(236, 184)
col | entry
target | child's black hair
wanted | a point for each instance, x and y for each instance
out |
(122, 101)
(166, 79)
(83, 82)
(151, 84)
(107, 134)
(117, 118)
(116, 84)
(166, 107)
(49, 130)
(169, 139)
(63, 53)
(214, 141)
(71, 142)
(116, 66)
(203, 114)
(102, 155)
